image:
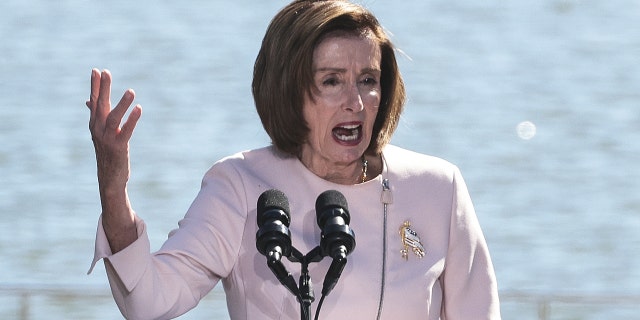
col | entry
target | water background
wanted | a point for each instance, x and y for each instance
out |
(560, 211)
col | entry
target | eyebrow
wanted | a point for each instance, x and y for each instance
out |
(343, 70)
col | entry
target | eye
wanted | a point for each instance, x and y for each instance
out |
(369, 81)
(330, 82)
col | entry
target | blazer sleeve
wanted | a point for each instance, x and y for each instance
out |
(203, 249)
(469, 281)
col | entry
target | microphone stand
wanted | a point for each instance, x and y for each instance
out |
(305, 285)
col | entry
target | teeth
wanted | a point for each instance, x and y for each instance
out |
(354, 132)
(348, 138)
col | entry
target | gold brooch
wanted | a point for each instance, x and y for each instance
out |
(410, 239)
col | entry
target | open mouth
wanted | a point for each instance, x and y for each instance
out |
(348, 133)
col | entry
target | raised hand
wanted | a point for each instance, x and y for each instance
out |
(111, 143)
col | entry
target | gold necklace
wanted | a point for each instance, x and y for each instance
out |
(365, 165)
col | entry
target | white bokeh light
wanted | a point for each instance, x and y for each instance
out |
(526, 130)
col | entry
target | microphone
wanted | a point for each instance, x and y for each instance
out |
(273, 238)
(337, 239)
(332, 213)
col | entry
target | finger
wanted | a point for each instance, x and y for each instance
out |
(115, 116)
(103, 105)
(95, 85)
(130, 124)
(93, 96)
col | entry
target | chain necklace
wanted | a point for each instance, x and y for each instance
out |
(365, 165)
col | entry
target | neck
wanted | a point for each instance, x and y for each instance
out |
(355, 172)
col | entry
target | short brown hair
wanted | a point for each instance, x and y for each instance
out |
(283, 71)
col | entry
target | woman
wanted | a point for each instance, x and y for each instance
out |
(329, 94)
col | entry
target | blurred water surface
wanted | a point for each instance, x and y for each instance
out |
(561, 211)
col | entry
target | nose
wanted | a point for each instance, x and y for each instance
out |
(354, 99)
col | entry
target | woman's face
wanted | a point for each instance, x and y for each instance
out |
(343, 108)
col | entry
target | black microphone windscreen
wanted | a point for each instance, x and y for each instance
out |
(331, 199)
(272, 199)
